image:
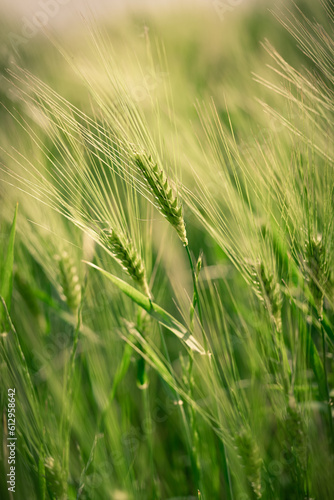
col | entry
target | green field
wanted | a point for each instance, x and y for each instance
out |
(167, 255)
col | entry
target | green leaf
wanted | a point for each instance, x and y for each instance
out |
(6, 282)
(162, 316)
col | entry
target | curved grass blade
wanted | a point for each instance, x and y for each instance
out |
(162, 316)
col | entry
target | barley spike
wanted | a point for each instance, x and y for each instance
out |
(125, 252)
(167, 202)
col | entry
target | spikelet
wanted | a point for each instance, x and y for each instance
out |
(163, 193)
(69, 281)
(125, 252)
(316, 270)
(269, 292)
(251, 461)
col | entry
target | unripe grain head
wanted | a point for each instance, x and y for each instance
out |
(125, 252)
(317, 271)
(69, 281)
(268, 290)
(166, 201)
(251, 460)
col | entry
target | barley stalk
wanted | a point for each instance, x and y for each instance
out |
(169, 206)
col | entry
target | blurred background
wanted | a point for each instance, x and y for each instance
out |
(70, 8)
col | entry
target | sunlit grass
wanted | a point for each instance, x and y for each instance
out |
(167, 320)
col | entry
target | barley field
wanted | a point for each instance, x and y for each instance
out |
(167, 253)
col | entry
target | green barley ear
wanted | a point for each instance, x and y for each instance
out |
(296, 433)
(54, 483)
(295, 449)
(125, 252)
(69, 281)
(251, 461)
(167, 202)
(317, 270)
(269, 292)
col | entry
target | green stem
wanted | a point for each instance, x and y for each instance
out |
(195, 285)
(178, 397)
(66, 418)
(194, 433)
(65, 424)
(196, 296)
(119, 375)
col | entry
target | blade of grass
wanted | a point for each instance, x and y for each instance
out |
(162, 316)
